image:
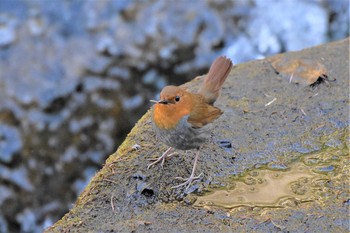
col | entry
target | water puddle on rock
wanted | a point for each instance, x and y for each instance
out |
(279, 185)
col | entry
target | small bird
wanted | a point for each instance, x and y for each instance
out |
(182, 119)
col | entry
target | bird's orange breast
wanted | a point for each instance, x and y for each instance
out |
(168, 116)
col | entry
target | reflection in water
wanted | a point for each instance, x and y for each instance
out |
(301, 182)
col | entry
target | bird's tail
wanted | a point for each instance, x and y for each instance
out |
(215, 78)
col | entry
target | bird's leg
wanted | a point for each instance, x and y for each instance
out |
(162, 158)
(192, 178)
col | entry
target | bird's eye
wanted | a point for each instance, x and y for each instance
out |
(177, 98)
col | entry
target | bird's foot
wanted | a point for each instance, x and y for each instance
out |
(162, 158)
(188, 181)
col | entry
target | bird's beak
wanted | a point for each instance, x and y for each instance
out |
(159, 101)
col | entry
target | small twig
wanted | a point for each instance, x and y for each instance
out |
(291, 77)
(109, 180)
(141, 222)
(266, 221)
(320, 126)
(112, 204)
(274, 99)
(303, 112)
(116, 161)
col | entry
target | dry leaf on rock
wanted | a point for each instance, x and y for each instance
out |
(302, 71)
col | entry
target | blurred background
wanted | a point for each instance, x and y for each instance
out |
(76, 75)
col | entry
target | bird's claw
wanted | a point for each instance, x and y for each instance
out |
(162, 158)
(188, 181)
(157, 160)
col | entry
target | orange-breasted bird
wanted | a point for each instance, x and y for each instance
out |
(182, 119)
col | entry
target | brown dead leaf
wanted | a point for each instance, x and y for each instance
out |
(302, 71)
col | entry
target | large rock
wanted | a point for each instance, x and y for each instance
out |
(278, 144)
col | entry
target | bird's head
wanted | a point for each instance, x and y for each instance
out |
(174, 104)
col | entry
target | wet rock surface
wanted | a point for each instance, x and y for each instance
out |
(296, 147)
(76, 75)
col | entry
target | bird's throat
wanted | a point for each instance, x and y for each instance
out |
(168, 116)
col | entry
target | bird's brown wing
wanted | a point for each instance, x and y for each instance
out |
(203, 114)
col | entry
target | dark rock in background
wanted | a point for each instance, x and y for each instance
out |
(76, 75)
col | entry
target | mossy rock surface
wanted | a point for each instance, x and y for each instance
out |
(271, 127)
